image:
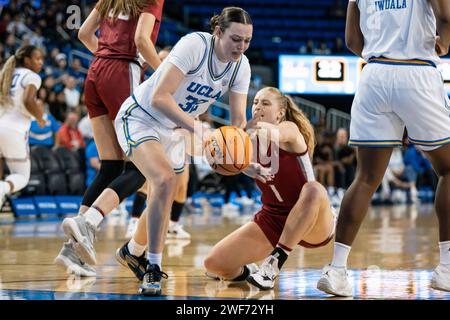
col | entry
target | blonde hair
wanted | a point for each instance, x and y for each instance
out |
(6, 74)
(229, 15)
(295, 114)
(127, 7)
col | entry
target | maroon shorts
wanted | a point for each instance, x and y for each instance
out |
(108, 83)
(272, 225)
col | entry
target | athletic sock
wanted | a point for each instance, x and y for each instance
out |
(340, 255)
(135, 248)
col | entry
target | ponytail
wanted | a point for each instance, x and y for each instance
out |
(6, 81)
(296, 115)
(6, 74)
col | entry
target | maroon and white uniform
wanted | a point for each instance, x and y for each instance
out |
(281, 194)
(115, 71)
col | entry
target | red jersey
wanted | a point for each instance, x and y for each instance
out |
(281, 194)
(116, 40)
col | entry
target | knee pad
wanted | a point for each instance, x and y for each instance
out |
(109, 170)
(128, 182)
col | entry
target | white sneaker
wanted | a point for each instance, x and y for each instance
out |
(230, 210)
(132, 226)
(335, 281)
(176, 231)
(265, 277)
(441, 278)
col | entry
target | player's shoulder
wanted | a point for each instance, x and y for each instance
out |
(198, 36)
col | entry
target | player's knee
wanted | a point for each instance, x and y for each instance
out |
(165, 181)
(314, 191)
(213, 263)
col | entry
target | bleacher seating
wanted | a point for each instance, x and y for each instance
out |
(296, 22)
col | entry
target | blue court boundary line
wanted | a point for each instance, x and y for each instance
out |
(16, 294)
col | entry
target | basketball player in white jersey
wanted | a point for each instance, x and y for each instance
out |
(19, 84)
(196, 73)
(399, 87)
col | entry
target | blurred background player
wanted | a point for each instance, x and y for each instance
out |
(399, 87)
(111, 78)
(19, 84)
(197, 72)
(295, 208)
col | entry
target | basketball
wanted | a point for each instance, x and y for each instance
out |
(229, 150)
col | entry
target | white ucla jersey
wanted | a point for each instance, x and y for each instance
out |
(398, 29)
(206, 77)
(17, 117)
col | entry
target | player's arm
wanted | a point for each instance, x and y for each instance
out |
(142, 39)
(441, 10)
(34, 106)
(164, 101)
(238, 106)
(354, 38)
(86, 34)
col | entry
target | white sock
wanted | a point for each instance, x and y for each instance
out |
(93, 216)
(135, 248)
(444, 248)
(155, 258)
(340, 255)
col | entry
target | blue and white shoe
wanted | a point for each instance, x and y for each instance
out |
(151, 284)
(138, 265)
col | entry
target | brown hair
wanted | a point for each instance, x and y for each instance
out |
(16, 60)
(296, 115)
(128, 7)
(229, 15)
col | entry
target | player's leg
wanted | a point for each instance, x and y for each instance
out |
(310, 221)
(151, 159)
(229, 259)
(371, 165)
(425, 108)
(176, 230)
(440, 159)
(82, 228)
(137, 209)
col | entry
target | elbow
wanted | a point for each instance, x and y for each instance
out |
(82, 35)
(141, 42)
(157, 100)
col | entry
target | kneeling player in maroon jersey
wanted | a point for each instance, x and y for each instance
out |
(295, 207)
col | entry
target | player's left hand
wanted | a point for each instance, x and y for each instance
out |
(257, 171)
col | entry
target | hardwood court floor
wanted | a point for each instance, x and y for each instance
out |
(393, 258)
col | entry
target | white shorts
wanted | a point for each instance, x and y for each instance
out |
(135, 126)
(390, 97)
(14, 145)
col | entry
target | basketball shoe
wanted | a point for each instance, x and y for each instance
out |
(176, 231)
(441, 278)
(83, 234)
(335, 281)
(265, 277)
(68, 259)
(151, 284)
(138, 265)
(3, 193)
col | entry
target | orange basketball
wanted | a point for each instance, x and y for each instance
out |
(229, 150)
